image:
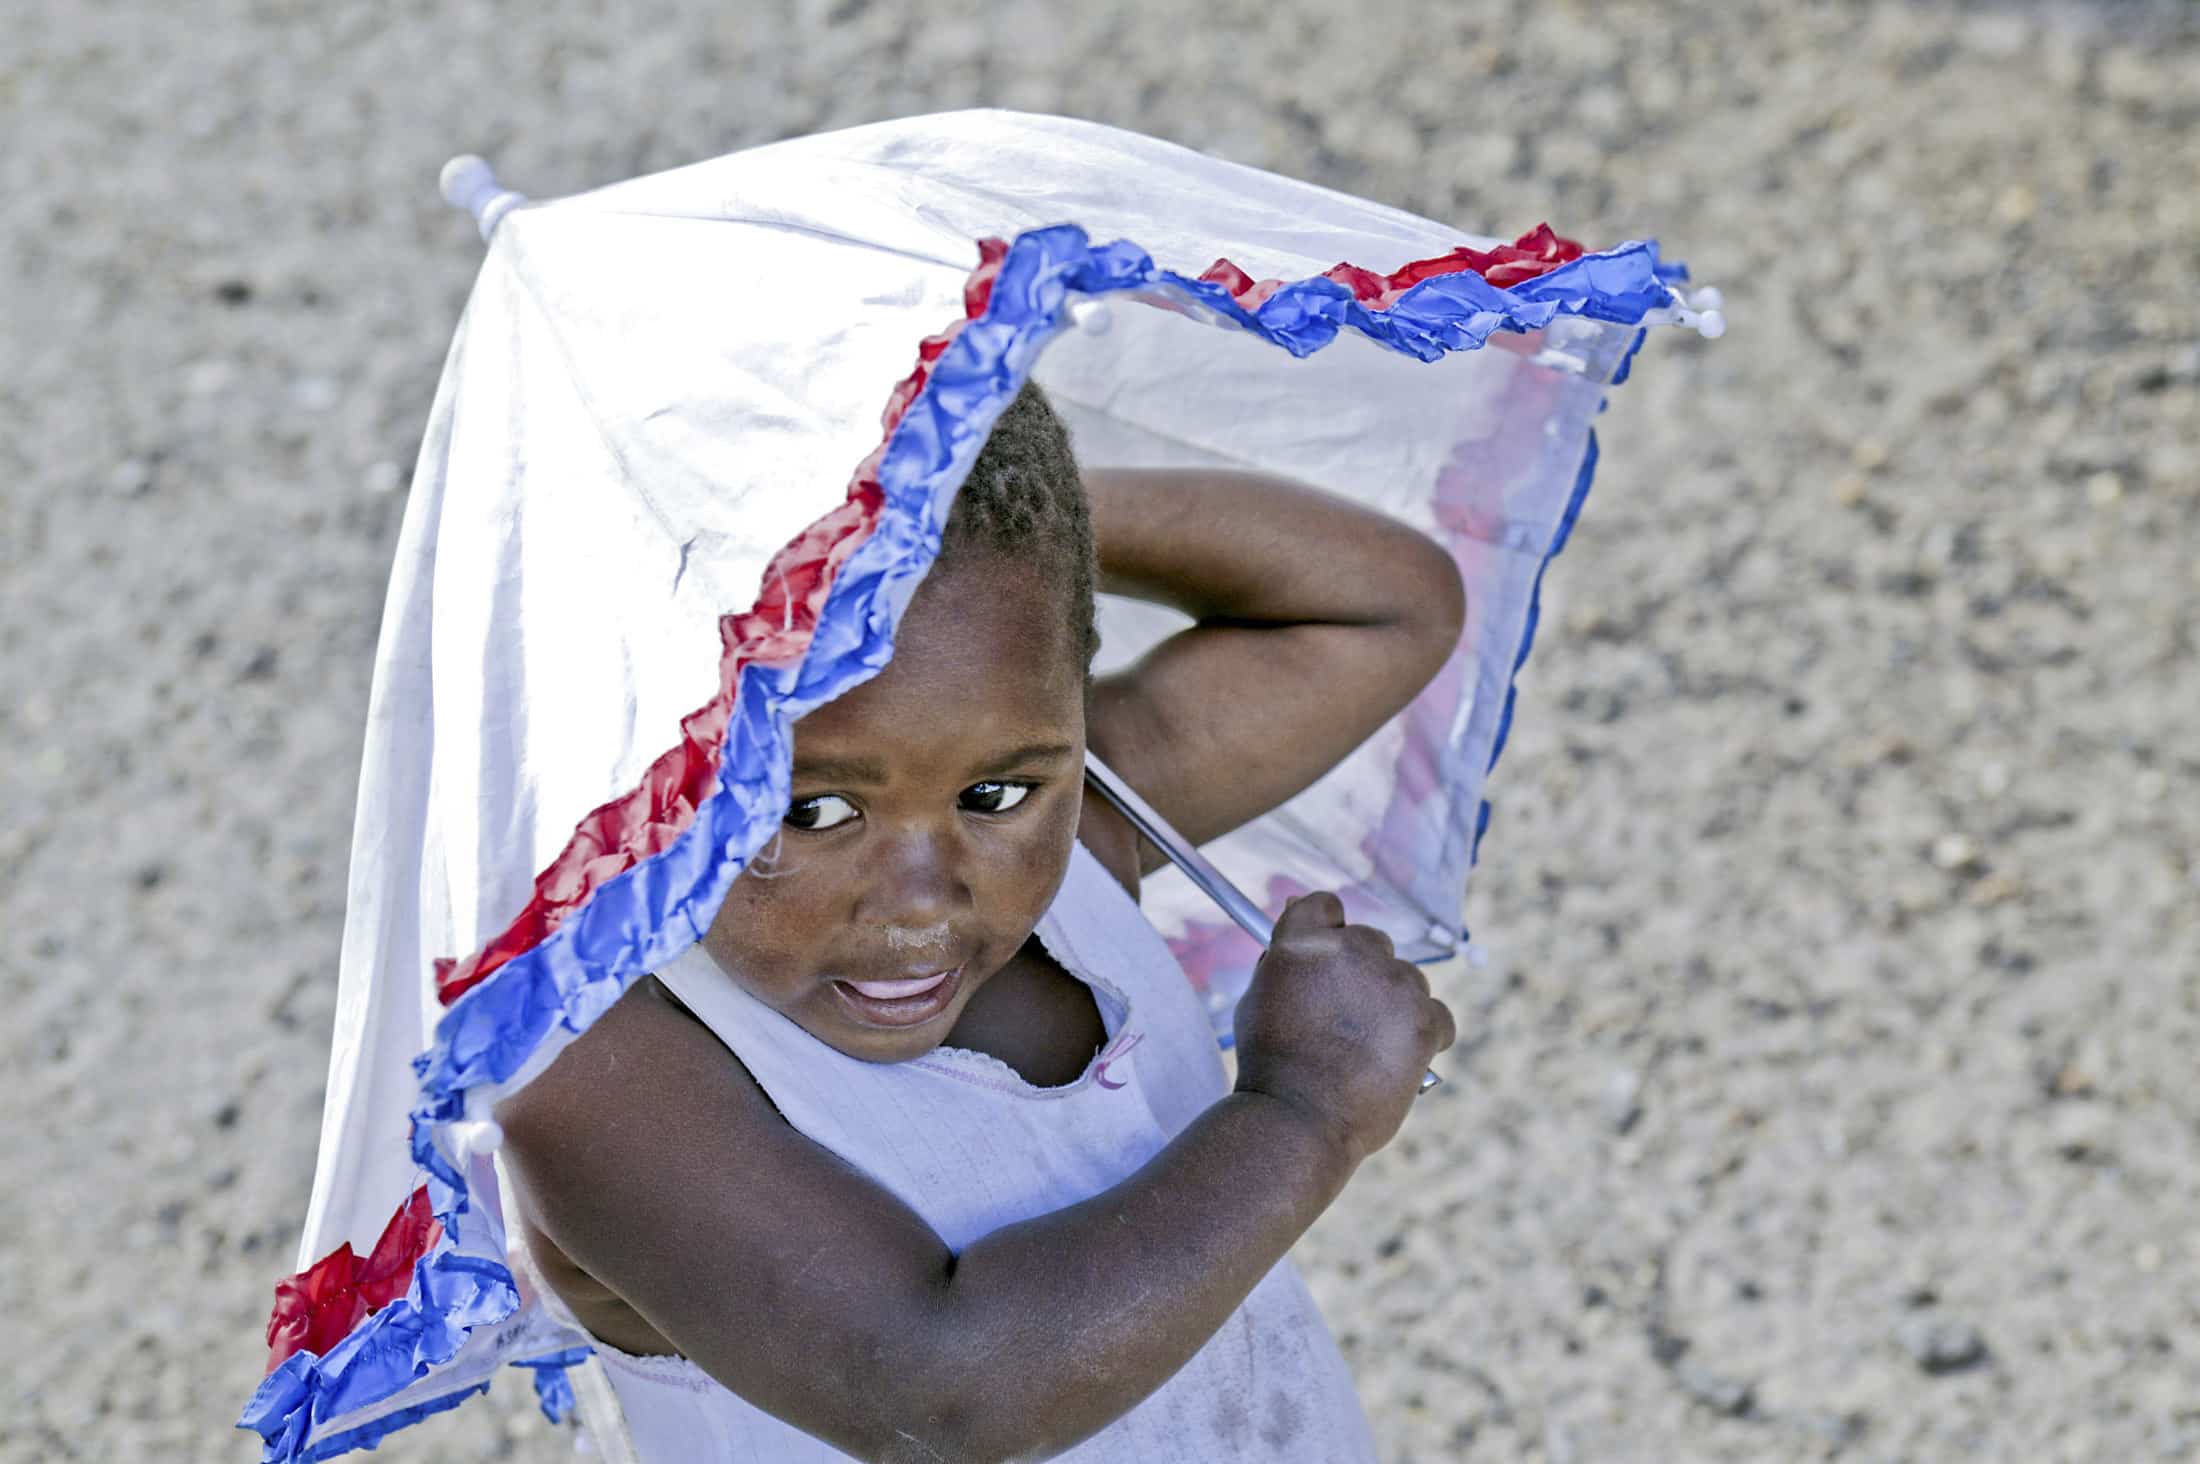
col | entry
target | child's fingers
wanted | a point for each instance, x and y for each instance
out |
(1321, 910)
(1442, 1025)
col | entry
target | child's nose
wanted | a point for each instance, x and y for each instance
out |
(920, 881)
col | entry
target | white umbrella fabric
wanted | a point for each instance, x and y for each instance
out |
(690, 454)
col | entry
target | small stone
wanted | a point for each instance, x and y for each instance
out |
(1837, 1430)
(2104, 489)
(313, 393)
(1941, 1345)
(1993, 779)
(2147, 1258)
(1587, 621)
(1622, 1101)
(2043, 382)
(207, 378)
(1848, 490)
(1954, 852)
(1996, 35)
(1869, 453)
(234, 292)
(1725, 1396)
(2071, 1082)
(2079, 1133)
(2016, 204)
(131, 478)
(384, 477)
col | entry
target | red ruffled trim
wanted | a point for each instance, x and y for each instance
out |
(318, 1307)
(631, 828)
(1539, 251)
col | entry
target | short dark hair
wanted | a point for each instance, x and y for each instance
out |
(1025, 500)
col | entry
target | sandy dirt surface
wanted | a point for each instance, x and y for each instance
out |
(1831, 1092)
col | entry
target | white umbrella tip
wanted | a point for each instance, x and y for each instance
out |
(463, 177)
(469, 183)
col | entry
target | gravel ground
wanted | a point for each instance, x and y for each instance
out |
(1831, 1090)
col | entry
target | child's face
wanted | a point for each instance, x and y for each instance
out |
(933, 810)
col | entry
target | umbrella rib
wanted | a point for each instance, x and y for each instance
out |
(628, 479)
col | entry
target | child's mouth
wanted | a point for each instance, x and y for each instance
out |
(900, 1003)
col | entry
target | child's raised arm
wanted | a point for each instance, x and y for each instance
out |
(1316, 622)
(660, 1169)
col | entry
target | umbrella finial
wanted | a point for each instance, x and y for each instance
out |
(1703, 312)
(469, 183)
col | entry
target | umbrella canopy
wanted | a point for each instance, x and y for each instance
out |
(690, 456)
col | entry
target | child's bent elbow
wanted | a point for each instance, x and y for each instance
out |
(1451, 599)
(989, 1424)
(1439, 603)
(937, 1421)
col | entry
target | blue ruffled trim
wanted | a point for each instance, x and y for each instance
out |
(646, 915)
(1666, 272)
(553, 1390)
(1574, 504)
(1454, 312)
(1627, 362)
(282, 1418)
(367, 1435)
(451, 1294)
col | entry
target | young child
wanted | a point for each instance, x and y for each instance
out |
(925, 1152)
(868, 1114)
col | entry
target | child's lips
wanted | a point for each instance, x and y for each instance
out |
(895, 990)
(905, 1003)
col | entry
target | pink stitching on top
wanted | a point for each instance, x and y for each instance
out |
(1120, 1047)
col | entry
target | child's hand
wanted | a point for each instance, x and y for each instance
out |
(1335, 1024)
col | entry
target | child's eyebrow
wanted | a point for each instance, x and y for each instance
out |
(841, 769)
(1030, 752)
(867, 770)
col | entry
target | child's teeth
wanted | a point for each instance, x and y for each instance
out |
(897, 990)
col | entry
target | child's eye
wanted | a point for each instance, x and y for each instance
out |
(992, 797)
(826, 811)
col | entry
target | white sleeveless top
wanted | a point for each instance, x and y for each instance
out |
(964, 1141)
